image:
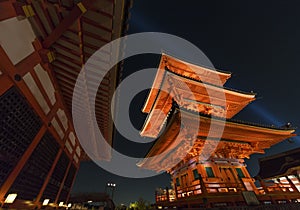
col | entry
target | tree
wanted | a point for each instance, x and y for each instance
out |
(143, 204)
(121, 207)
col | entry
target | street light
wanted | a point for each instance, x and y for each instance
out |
(112, 186)
(109, 184)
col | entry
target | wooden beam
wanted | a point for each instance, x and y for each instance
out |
(69, 74)
(42, 89)
(59, 94)
(46, 13)
(17, 169)
(70, 40)
(7, 10)
(66, 174)
(6, 83)
(93, 47)
(61, 47)
(66, 82)
(39, 196)
(103, 13)
(95, 36)
(24, 66)
(76, 13)
(8, 78)
(96, 24)
(19, 8)
(73, 181)
(61, 56)
(36, 22)
(47, 56)
(63, 181)
(61, 126)
(37, 201)
(68, 66)
(27, 64)
(10, 70)
(5, 62)
(53, 111)
(82, 57)
(31, 61)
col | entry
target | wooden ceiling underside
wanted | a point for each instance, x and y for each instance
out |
(71, 31)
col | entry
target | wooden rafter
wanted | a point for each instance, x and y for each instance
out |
(39, 196)
(7, 10)
(75, 13)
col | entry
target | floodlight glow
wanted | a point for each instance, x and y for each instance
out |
(10, 198)
(45, 202)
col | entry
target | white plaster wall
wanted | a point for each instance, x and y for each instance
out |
(16, 37)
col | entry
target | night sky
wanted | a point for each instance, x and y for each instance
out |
(258, 41)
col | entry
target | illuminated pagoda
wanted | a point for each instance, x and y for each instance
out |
(199, 145)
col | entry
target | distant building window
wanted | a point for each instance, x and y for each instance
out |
(196, 174)
(177, 182)
(240, 173)
(209, 172)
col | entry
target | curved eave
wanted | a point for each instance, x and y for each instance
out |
(159, 79)
(216, 87)
(166, 138)
(161, 143)
(242, 123)
(240, 100)
(160, 75)
(226, 74)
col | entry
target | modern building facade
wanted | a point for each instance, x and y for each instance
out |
(199, 145)
(43, 46)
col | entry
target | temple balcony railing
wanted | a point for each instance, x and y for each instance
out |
(209, 186)
(276, 189)
(287, 206)
(276, 192)
(287, 184)
(196, 190)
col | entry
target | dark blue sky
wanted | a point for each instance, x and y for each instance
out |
(258, 41)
